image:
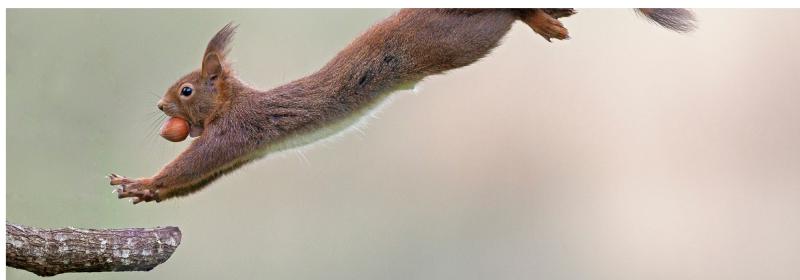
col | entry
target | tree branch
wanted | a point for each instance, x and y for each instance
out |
(47, 252)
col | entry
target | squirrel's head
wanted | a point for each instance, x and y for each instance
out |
(196, 96)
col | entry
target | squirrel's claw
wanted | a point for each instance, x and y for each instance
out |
(116, 180)
(137, 194)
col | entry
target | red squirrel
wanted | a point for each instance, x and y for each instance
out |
(235, 123)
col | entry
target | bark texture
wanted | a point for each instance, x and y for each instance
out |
(47, 252)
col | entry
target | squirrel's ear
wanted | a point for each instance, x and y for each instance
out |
(214, 58)
(213, 66)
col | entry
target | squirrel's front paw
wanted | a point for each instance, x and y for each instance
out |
(138, 190)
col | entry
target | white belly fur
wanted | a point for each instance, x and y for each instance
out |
(334, 129)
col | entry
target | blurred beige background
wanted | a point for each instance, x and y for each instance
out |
(628, 152)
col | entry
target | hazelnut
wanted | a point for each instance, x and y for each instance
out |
(175, 129)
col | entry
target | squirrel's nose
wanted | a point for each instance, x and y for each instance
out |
(160, 105)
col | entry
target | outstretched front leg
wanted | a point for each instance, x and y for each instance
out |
(545, 22)
(208, 157)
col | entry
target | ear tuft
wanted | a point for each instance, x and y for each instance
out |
(214, 58)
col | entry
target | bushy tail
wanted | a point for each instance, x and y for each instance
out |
(678, 20)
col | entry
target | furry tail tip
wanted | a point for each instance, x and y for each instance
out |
(678, 20)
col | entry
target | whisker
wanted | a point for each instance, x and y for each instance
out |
(154, 115)
(152, 130)
(303, 157)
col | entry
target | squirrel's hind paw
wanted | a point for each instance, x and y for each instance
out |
(546, 25)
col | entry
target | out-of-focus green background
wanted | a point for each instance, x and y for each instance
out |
(628, 152)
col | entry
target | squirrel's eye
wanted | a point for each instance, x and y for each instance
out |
(186, 91)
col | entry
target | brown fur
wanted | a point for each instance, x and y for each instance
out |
(240, 123)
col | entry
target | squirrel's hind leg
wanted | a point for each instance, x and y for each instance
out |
(545, 22)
